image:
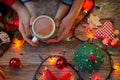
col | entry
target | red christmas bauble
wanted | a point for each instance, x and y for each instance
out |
(61, 63)
(15, 63)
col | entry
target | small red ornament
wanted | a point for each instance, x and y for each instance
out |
(15, 63)
(61, 63)
(92, 58)
(114, 42)
(106, 41)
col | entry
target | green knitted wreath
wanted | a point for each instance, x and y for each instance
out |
(88, 57)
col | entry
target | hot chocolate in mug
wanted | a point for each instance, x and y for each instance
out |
(43, 28)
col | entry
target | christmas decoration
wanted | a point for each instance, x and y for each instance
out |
(106, 31)
(106, 41)
(92, 58)
(87, 29)
(85, 10)
(108, 34)
(114, 42)
(101, 8)
(5, 40)
(48, 75)
(68, 39)
(52, 60)
(96, 76)
(15, 63)
(61, 63)
(18, 43)
(4, 37)
(93, 21)
(88, 57)
(84, 32)
(117, 68)
(90, 34)
(8, 25)
(116, 32)
(12, 25)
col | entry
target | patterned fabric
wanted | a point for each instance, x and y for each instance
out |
(67, 2)
(106, 31)
(4, 37)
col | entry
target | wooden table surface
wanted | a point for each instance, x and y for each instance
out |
(29, 55)
(30, 59)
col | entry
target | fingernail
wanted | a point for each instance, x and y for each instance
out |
(29, 36)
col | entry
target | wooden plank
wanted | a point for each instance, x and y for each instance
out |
(29, 55)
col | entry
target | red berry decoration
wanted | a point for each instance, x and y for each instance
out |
(61, 63)
(15, 63)
(92, 58)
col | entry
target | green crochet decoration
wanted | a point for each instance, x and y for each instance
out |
(88, 57)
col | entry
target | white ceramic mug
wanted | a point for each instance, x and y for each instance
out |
(43, 28)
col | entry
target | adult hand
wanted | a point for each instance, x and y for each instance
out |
(68, 21)
(64, 29)
(30, 6)
(24, 21)
(24, 25)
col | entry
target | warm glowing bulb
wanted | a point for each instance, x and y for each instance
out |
(43, 74)
(116, 67)
(17, 44)
(90, 36)
(52, 60)
(85, 11)
(89, 33)
(96, 78)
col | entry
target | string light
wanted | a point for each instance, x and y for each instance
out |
(59, 58)
(96, 76)
(52, 60)
(89, 34)
(117, 68)
(18, 43)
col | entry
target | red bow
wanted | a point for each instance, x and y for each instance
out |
(48, 75)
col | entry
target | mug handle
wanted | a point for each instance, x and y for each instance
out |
(34, 40)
